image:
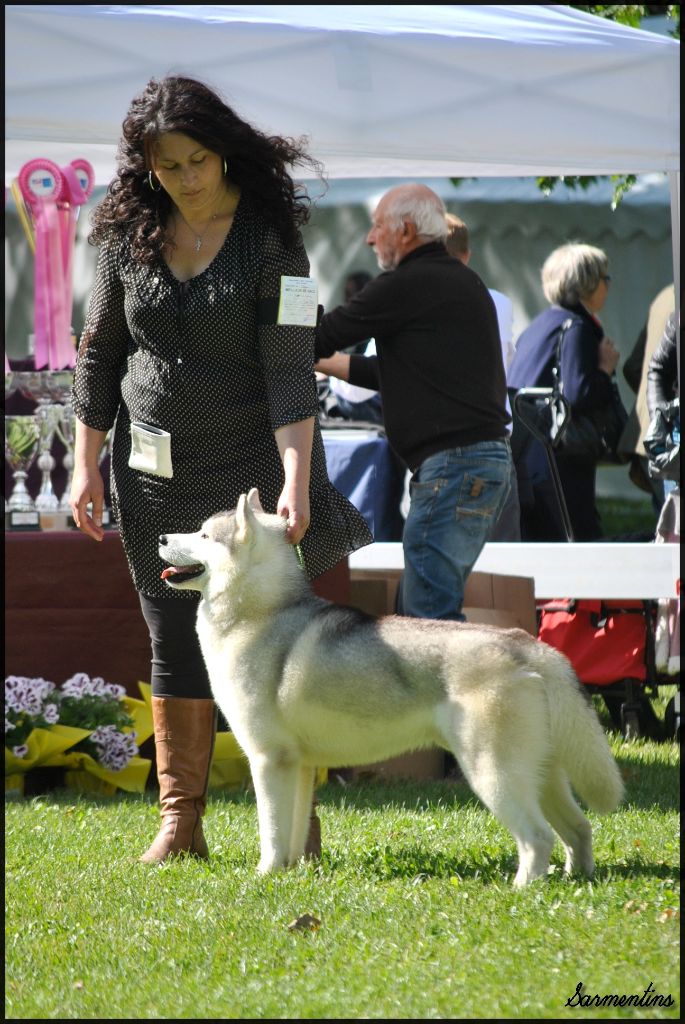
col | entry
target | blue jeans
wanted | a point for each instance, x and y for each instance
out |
(455, 498)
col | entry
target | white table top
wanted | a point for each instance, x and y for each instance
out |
(601, 571)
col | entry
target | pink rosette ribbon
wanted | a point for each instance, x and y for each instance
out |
(78, 183)
(41, 184)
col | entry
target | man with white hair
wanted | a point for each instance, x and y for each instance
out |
(440, 372)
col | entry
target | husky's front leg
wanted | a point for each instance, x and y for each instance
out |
(275, 782)
(301, 812)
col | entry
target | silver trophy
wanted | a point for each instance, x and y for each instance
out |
(10, 388)
(22, 441)
(48, 419)
(31, 383)
(41, 385)
(10, 383)
(66, 434)
(59, 385)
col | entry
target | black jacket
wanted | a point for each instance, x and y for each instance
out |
(439, 365)
(662, 375)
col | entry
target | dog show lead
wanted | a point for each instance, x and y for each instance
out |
(198, 350)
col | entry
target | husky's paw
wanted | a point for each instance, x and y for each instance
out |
(268, 865)
(525, 877)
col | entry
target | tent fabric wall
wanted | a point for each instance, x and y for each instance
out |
(513, 228)
(394, 89)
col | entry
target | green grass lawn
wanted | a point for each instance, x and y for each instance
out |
(628, 518)
(418, 916)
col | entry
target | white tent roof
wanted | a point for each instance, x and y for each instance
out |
(381, 90)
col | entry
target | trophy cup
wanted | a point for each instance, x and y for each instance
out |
(22, 438)
(37, 385)
(10, 384)
(48, 418)
(58, 384)
(65, 432)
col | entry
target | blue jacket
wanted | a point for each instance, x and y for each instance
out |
(585, 386)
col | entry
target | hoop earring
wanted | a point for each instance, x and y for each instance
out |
(225, 167)
(149, 180)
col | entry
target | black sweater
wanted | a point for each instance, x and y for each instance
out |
(439, 365)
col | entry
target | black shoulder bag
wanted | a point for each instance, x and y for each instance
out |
(592, 436)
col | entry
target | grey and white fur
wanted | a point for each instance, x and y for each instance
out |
(305, 683)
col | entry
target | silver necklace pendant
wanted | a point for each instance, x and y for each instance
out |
(198, 244)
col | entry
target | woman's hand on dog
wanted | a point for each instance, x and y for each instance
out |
(294, 442)
(295, 507)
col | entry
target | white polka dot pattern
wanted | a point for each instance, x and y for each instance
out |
(194, 359)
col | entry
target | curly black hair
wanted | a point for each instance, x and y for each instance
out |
(257, 164)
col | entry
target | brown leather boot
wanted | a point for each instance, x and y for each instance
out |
(184, 743)
(312, 848)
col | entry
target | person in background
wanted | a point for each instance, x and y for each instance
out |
(635, 371)
(440, 372)
(575, 281)
(354, 282)
(182, 333)
(662, 382)
(361, 405)
(508, 525)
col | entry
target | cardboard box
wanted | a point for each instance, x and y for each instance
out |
(417, 765)
(488, 598)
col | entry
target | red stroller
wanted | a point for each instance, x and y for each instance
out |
(611, 647)
(612, 651)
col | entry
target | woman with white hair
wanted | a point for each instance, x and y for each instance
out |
(575, 281)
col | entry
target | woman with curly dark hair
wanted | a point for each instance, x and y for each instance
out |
(188, 352)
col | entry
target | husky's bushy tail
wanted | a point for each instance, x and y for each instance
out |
(578, 741)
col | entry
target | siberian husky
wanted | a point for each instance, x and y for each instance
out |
(305, 683)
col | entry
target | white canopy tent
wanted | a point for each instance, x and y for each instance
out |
(401, 90)
(381, 90)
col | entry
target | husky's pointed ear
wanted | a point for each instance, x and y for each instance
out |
(244, 517)
(253, 500)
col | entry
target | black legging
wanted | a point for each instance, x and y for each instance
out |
(178, 668)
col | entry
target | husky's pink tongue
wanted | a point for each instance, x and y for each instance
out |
(178, 570)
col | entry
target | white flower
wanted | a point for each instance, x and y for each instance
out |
(78, 686)
(23, 695)
(20, 751)
(81, 685)
(51, 714)
(9, 726)
(116, 691)
(115, 748)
